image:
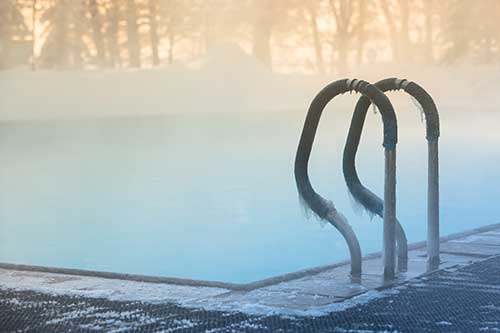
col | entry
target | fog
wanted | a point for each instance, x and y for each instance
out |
(203, 103)
(75, 59)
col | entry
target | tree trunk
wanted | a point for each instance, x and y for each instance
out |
(113, 34)
(342, 12)
(343, 52)
(361, 32)
(97, 32)
(393, 31)
(63, 55)
(404, 32)
(171, 42)
(33, 34)
(77, 30)
(153, 30)
(134, 49)
(313, 23)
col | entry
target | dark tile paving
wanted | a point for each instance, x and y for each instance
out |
(464, 300)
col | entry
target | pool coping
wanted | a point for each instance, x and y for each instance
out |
(228, 285)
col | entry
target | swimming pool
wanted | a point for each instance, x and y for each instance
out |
(212, 195)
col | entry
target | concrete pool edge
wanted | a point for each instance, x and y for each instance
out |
(227, 285)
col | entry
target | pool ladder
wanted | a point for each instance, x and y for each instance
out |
(393, 232)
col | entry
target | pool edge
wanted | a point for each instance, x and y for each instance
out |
(227, 285)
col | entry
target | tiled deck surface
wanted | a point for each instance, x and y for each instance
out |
(464, 297)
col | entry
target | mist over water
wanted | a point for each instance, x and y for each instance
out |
(213, 196)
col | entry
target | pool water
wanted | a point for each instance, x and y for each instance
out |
(212, 195)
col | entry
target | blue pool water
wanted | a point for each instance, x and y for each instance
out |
(212, 196)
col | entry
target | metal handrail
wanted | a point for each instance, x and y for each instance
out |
(325, 209)
(373, 203)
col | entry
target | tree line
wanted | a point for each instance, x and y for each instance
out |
(319, 35)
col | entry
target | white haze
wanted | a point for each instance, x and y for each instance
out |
(227, 80)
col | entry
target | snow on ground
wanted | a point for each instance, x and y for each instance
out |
(247, 306)
(194, 297)
(118, 290)
(114, 321)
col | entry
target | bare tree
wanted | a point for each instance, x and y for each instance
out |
(397, 16)
(97, 33)
(34, 13)
(457, 31)
(76, 33)
(264, 11)
(175, 20)
(133, 43)
(312, 7)
(113, 9)
(485, 42)
(12, 28)
(153, 30)
(344, 15)
(66, 27)
(361, 30)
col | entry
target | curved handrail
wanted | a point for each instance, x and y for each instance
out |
(371, 201)
(319, 205)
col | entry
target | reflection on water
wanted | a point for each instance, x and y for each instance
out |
(213, 196)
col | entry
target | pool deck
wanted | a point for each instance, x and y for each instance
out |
(466, 259)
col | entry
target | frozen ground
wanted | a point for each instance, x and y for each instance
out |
(311, 295)
(459, 300)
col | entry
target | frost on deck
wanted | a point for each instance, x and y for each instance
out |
(459, 299)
